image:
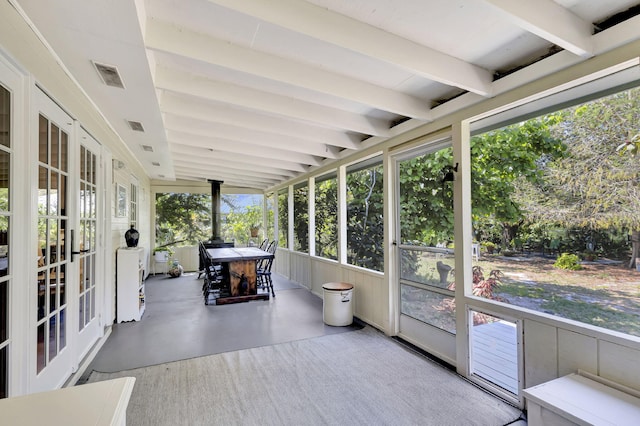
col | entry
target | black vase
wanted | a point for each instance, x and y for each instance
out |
(131, 237)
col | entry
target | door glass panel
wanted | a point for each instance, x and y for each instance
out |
(4, 378)
(54, 146)
(432, 308)
(43, 140)
(53, 290)
(62, 285)
(53, 194)
(43, 187)
(41, 359)
(4, 318)
(63, 329)
(64, 159)
(62, 252)
(53, 337)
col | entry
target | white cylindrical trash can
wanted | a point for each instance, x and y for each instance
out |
(337, 306)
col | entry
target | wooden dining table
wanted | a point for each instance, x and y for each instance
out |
(239, 270)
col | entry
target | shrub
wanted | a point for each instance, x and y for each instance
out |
(482, 287)
(568, 261)
(489, 246)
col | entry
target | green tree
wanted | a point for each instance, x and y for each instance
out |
(501, 160)
(426, 197)
(237, 224)
(182, 216)
(505, 159)
(595, 186)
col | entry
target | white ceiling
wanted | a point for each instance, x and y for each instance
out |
(255, 92)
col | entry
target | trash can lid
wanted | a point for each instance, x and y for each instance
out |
(337, 286)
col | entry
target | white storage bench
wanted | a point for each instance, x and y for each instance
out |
(581, 399)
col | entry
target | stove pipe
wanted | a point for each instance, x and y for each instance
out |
(215, 210)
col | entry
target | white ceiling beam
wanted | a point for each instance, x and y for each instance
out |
(217, 144)
(268, 103)
(320, 23)
(209, 167)
(194, 167)
(210, 162)
(552, 22)
(618, 35)
(181, 41)
(257, 160)
(212, 112)
(228, 179)
(242, 134)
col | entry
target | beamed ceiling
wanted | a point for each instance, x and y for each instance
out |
(256, 92)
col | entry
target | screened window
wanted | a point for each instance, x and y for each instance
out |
(365, 227)
(557, 215)
(326, 203)
(301, 217)
(283, 218)
(242, 216)
(270, 228)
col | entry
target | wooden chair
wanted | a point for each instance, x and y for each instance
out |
(263, 275)
(203, 256)
(213, 279)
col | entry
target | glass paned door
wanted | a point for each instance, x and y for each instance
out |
(86, 248)
(87, 238)
(67, 286)
(425, 254)
(5, 220)
(52, 262)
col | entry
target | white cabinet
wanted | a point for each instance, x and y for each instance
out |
(130, 301)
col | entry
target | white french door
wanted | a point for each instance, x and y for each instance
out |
(10, 103)
(65, 318)
(85, 245)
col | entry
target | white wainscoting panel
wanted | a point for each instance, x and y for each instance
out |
(576, 352)
(370, 296)
(323, 271)
(619, 363)
(187, 256)
(300, 268)
(281, 263)
(540, 353)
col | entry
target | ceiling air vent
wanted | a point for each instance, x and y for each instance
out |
(147, 148)
(136, 125)
(109, 75)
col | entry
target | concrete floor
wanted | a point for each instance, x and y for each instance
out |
(178, 325)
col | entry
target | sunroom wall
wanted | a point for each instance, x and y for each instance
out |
(552, 346)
